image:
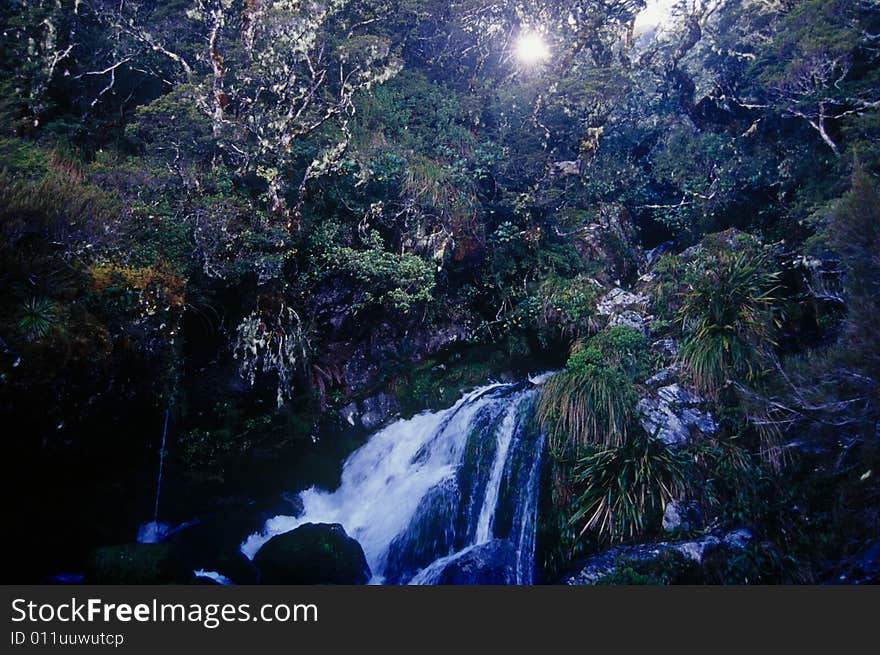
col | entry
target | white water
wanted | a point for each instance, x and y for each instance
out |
(386, 485)
(490, 501)
(219, 578)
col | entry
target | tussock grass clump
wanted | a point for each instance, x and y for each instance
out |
(728, 318)
(593, 405)
(592, 402)
(627, 487)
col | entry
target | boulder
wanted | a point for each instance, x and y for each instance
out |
(666, 347)
(737, 539)
(617, 300)
(314, 553)
(370, 413)
(567, 168)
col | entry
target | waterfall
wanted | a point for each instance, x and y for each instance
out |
(153, 532)
(432, 489)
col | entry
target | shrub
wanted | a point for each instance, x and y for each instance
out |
(854, 232)
(399, 281)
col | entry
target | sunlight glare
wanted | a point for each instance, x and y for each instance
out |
(531, 48)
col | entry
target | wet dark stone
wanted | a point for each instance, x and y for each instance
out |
(314, 553)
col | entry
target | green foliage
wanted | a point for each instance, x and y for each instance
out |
(37, 316)
(627, 487)
(732, 481)
(617, 347)
(592, 402)
(727, 317)
(567, 307)
(666, 294)
(669, 568)
(435, 384)
(593, 405)
(398, 281)
(854, 232)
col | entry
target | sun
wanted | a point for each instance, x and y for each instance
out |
(531, 48)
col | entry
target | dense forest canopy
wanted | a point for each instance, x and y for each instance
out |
(256, 212)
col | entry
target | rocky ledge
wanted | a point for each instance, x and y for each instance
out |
(593, 569)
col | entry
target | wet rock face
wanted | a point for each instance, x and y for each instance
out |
(492, 563)
(370, 413)
(314, 553)
(416, 548)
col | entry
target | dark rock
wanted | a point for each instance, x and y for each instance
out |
(430, 534)
(612, 240)
(135, 564)
(654, 254)
(314, 553)
(492, 563)
(361, 370)
(212, 542)
(376, 410)
(666, 347)
(596, 567)
(431, 342)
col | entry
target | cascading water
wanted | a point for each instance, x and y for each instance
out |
(154, 531)
(428, 491)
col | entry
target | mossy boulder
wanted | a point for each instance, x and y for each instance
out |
(314, 553)
(135, 564)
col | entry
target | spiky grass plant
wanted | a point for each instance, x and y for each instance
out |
(728, 319)
(590, 406)
(36, 318)
(627, 487)
(593, 401)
